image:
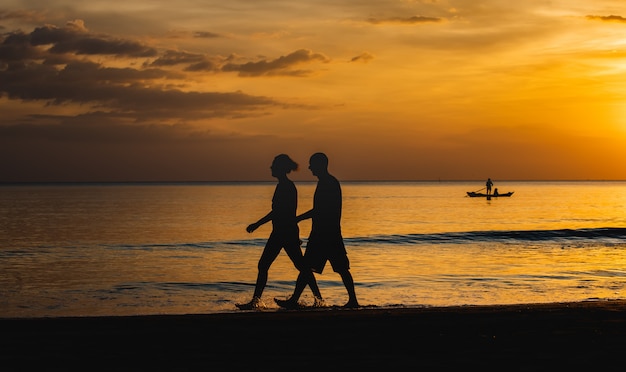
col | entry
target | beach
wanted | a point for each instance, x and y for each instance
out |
(527, 337)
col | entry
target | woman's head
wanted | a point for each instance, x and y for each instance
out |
(283, 164)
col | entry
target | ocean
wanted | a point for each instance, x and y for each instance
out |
(182, 248)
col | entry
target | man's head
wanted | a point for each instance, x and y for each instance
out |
(318, 164)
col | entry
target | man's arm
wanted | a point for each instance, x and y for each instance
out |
(304, 216)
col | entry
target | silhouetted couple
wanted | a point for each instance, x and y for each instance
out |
(325, 243)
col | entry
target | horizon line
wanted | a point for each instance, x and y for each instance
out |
(3, 183)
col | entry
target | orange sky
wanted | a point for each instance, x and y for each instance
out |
(148, 90)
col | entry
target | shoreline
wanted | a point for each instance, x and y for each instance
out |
(526, 337)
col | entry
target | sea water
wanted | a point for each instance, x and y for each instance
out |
(158, 248)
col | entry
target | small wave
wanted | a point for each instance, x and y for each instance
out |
(605, 235)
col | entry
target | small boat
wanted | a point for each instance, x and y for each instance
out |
(473, 194)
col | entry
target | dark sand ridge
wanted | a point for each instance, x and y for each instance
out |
(573, 336)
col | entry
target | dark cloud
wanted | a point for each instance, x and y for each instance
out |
(610, 18)
(90, 45)
(205, 65)
(280, 66)
(363, 57)
(75, 39)
(172, 57)
(404, 20)
(194, 61)
(72, 39)
(121, 90)
(77, 81)
(16, 46)
(51, 65)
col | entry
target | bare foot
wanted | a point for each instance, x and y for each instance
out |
(287, 304)
(254, 304)
(319, 302)
(351, 305)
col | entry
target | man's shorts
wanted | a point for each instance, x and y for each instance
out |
(326, 247)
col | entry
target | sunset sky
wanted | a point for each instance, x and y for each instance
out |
(203, 90)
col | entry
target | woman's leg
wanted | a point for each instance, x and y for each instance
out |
(305, 277)
(270, 252)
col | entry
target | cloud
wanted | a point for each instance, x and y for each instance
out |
(194, 61)
(610, 18)
(404, 20)
(363, 57)
(283, 65)
(74, 38)
(16, 47)
(204, 65)
(121, 90)
(173, 57)
(280, 66)
(64, 66)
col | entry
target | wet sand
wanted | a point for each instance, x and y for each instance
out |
(534, 337)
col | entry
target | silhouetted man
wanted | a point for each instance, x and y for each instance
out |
(488, 185)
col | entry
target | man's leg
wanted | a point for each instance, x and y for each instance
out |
(348, 282)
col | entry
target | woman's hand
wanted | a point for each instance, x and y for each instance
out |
(251, 227)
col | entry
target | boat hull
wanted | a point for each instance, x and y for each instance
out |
(472, 194)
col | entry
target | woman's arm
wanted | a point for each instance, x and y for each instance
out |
(262, 221)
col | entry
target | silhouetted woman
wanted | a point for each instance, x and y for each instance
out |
(285, 232)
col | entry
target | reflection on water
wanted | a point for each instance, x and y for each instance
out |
(146, 249)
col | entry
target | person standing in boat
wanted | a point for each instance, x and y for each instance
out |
(488, 185)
